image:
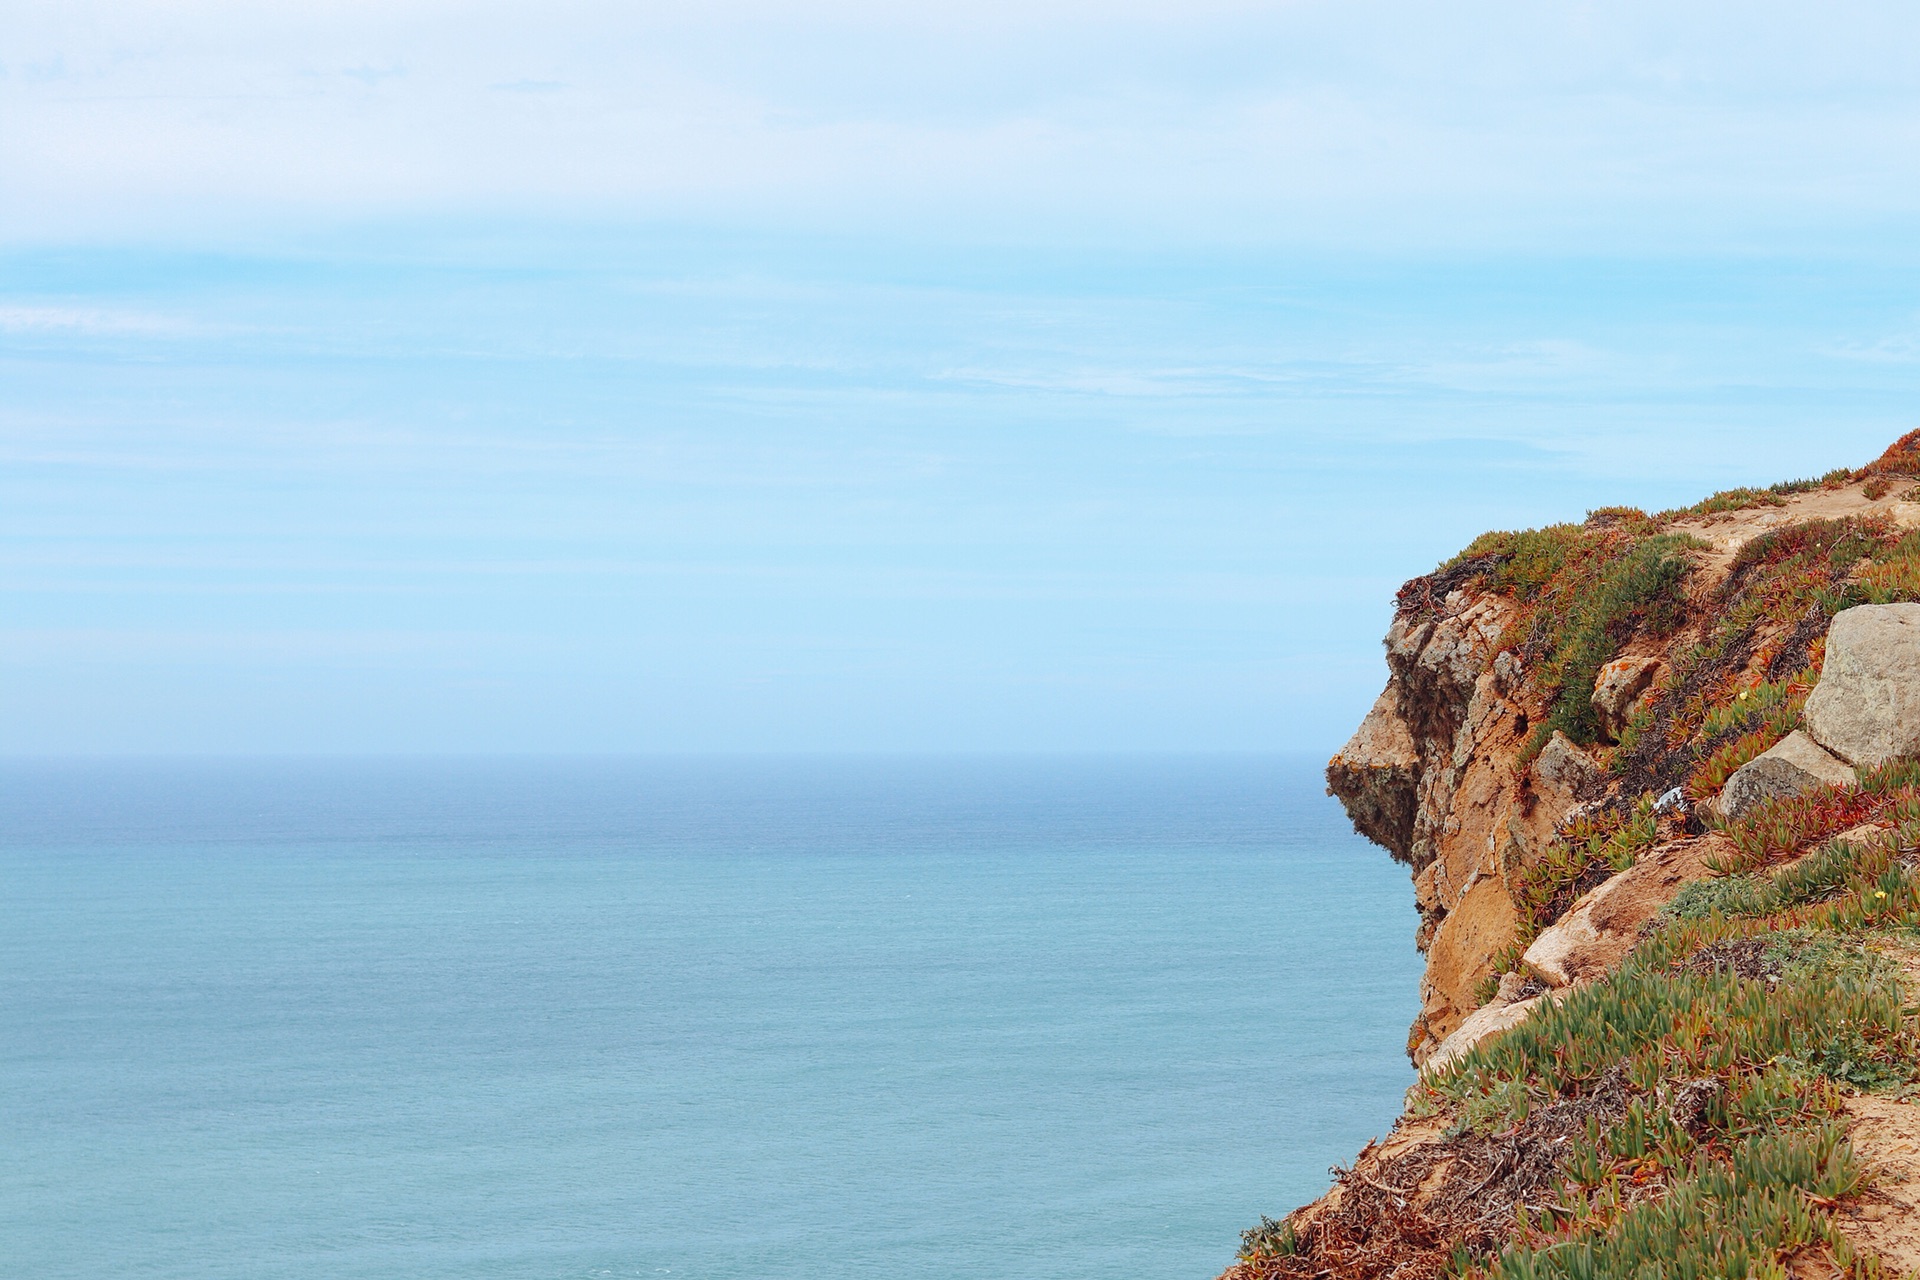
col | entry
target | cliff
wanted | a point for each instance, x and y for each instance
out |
(1653, 778)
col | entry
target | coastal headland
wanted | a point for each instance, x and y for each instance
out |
(1657, 781)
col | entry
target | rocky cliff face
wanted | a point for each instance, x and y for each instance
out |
(1657, 781)
(1458, 769)
(1429, 775)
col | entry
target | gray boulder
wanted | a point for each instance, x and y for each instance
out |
(1566, 775)
(1618, 689)
(1866, 708)
(1793, 765)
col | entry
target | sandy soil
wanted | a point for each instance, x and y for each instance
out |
(1886, 1220)
(1728, 531)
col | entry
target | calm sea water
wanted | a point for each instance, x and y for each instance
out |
(706, 1019)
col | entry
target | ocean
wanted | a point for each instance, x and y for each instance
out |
(988, 1019)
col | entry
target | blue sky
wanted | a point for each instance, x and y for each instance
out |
(424, 377)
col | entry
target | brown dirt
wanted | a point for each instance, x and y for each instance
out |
(1742, 957)
(1727, 531)
(1885, 1221)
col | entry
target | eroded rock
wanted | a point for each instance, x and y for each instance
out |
(1474, 928)
(1605, 923)
(1866, 708)
(1377, 775)
(1566, 775)
(1794, 765)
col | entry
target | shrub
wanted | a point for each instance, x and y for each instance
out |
(1643, 588)
(1720, 1219)
(1730, 896)
(1725, 500)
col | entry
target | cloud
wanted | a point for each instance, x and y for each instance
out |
(1890, 349)
(89, 321)
(1383, 122)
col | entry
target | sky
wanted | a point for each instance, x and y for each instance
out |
(582, 377)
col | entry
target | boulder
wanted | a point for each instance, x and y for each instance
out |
(1866, 708)
(1605, 923)
(1566, 775)
(1487, 1020)
(1793, 765)
(1618, 689)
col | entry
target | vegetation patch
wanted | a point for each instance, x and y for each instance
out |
(1679, 1117)
(1583, 591)
(1586, 854)
(1777, 828)
(1709, 714)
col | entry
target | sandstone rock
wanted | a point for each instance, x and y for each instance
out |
(1605, 923)
(1405, 639)
(1448, 763)
(1791, 766)
(1570, 949)
(1482, 1022)
(1453, 654)
(1886, 1135)
(1438, 664)
(1376, 775)
(1617, 690)
(1473, 930)
(1866, 708)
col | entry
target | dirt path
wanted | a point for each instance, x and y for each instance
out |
(1728, 531)
(1886, 1220)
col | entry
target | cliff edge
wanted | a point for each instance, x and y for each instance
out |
(1654, 777)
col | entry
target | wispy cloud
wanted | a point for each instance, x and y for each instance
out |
(89, 321)
(1380, 122)
(1893, 348)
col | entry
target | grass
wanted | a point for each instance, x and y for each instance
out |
(1727, 500)
(1894, 575)
(1745, 1181)
(1733, 896)
(1749, 1178)
(1776, 828)
(1836, 868)
(1732, 1217)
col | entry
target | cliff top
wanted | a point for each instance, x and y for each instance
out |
(1657, 777)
